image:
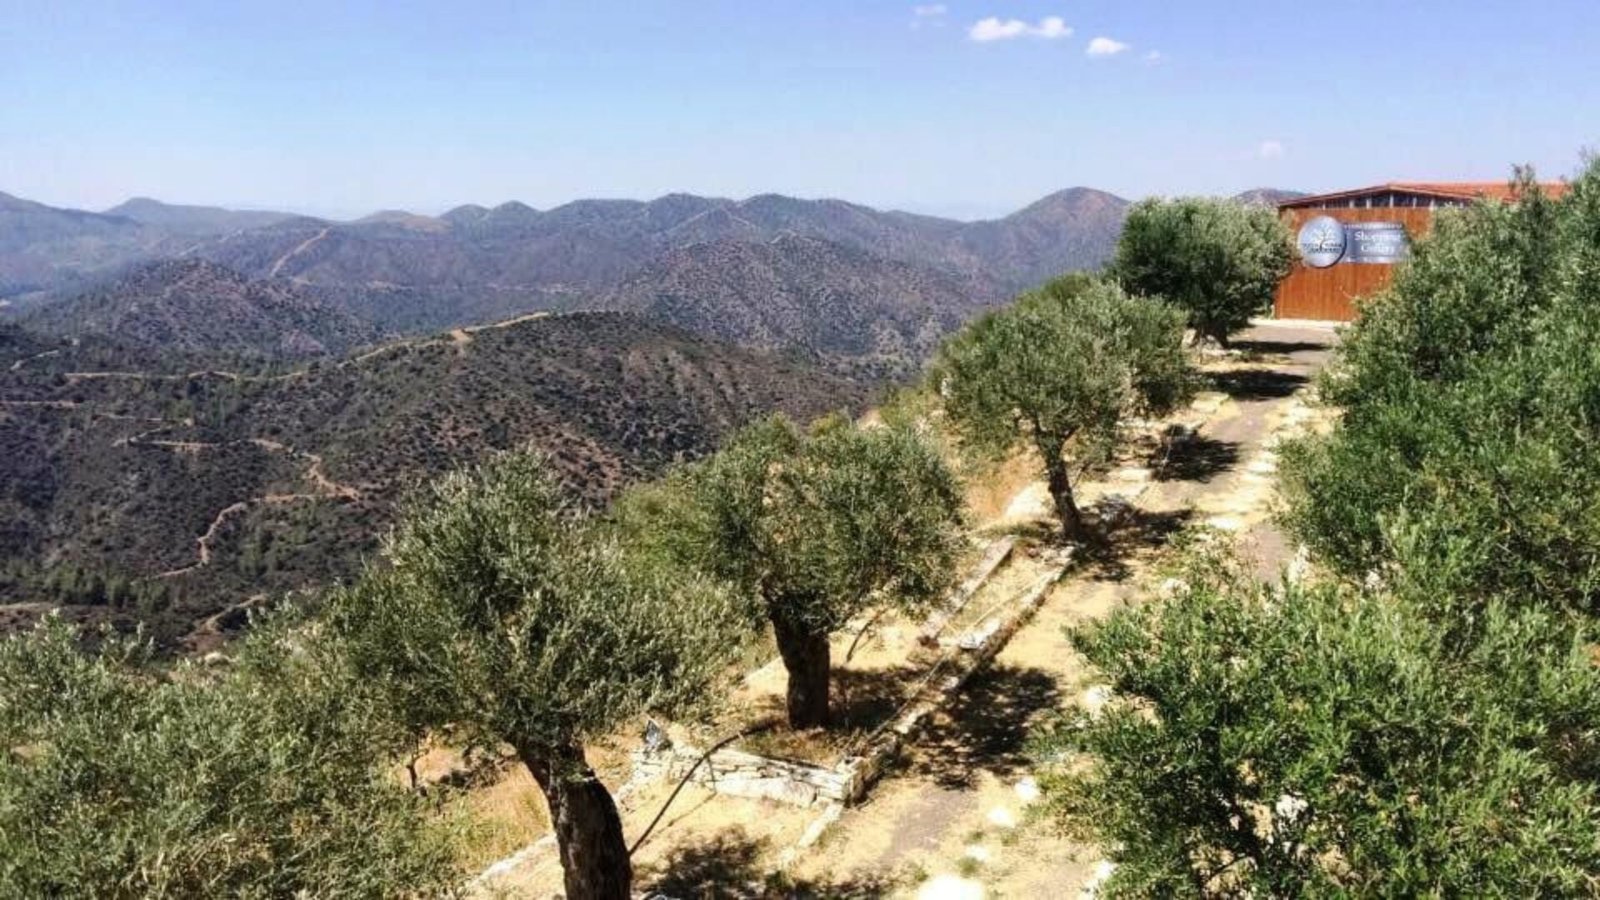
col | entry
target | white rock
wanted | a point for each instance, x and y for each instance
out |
(1095, 699)
(1290, 808)
(979, 852)
(1002, 817)
(1102, 871)
(1027, 789)
(950, 887)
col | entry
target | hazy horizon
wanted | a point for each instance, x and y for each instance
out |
(955, 109)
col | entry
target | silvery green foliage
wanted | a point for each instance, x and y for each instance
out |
(1466, 464)
(500, 612)
(1062, 368)
(1325, 741)
(265, 778)
(1435, 730)
(1218, 260)
(815, 526)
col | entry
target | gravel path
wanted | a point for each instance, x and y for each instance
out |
(954, 821)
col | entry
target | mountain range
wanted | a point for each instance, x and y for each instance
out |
(200, 407)
(192, 306)
(399, 273)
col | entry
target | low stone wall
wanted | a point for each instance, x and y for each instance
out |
(743, 774)
(998, 553)
(949, 677)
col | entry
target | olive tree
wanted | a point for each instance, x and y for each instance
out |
(1422, 722)
(1218, 260)
(814, 528)
(1465, 462)
(502, 615)
(1060, 369)
(1322, 741)
(270, 777)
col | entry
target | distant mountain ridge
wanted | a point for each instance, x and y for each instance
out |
(585, 246)
(193, 220)
(1268, 196)
(47, 248)
(851, 310)
(193, 306)
(403, 273)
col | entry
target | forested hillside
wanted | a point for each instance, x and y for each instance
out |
(210, 486)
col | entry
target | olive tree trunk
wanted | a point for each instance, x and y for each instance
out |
(808, 658)
(594, 856)
(1060, 484)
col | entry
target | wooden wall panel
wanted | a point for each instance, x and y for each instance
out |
(1332, 293)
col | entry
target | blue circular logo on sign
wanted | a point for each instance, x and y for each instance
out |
(1322, 242)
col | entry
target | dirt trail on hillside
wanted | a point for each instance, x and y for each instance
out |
(304, 246)
(325, 487)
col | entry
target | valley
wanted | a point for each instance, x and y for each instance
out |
(209, 485)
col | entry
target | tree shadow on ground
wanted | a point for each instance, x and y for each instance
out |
(866, 698)
(986, 726)
(1133, 532)
(1193, 457)
(729, 865)
(1262, 345)
(1257, 384)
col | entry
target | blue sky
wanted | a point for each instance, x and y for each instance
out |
(966, 109)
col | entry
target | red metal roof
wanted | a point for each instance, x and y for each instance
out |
(1444, 190)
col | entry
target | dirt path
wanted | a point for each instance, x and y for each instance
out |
(951, 820)
(955, 819)
(17, 366)
(326, 488)
(304, 246)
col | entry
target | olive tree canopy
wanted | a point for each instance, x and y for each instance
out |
(814, 528)
(1327, 741)
(502, 614)
(1218, 260)
(270, 777)
(1060, 369)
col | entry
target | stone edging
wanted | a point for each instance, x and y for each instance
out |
(998, 553)
(743, 774)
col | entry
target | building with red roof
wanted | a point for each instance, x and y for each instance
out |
(1350, 241)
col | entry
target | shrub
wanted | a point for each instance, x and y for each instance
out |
(1328, 741)
(1466, 464)
(1218, 260)
(266, 778)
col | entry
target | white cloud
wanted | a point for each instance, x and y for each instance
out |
(1154, 56)
(928, 15)
(1271, 150)
(1051, 27)
(997, 29)
(1104, 46)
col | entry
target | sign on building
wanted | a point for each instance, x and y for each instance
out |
(1325, 241)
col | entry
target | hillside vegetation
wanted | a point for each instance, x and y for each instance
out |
(846, 308)
(232, 485)
(189, 306)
